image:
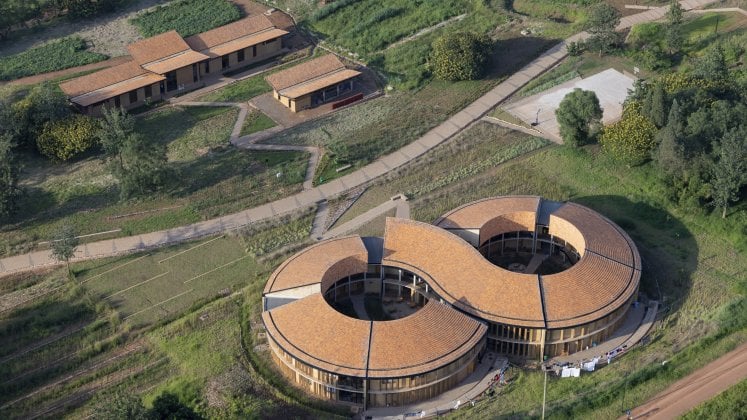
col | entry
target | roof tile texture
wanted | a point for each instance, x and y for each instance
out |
(317, 334)
(326, 261)
(305, 72)
(433, 337)
(461, 275)
(102, 78)
(157, 47)
(241, 28)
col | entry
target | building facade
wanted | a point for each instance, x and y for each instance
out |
(519, 276)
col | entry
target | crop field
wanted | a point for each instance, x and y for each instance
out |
(115, 326)
(188, 17)
(55, 55)
(209, 178)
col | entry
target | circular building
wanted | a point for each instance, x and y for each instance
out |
(394, 320)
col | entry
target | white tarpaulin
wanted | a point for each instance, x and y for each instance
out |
(589, 366)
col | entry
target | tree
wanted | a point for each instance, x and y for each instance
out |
(63, 139)
(579, 116)
(656, 105)
(64, 244)
(629, 140)
(44, 104)
(138, 165)
(730, 172)
(603, 20)
(120, 406)
(9, 190)
(460, 56)
(675, 37)
(712, 65)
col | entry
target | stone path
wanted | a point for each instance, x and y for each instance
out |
(310, 197)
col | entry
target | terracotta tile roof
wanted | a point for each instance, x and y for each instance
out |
(601, 236)
(319, 83)
(102, 78)
(235, 36)
(305, 72)
(157, 47)
(461, 275)
(108, 83)
(318, 335)
(325, 262)
(434, 336)
(591, 289)
(474, 215)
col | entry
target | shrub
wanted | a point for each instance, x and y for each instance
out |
(630, 140)
(575, 48)
(57, 55)
(460, 56)
(188, 17)
(63, 139)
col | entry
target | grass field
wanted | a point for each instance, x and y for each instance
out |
(188, 17)
(240, 91)
(55, 55)
(209, 178)
(255, 122)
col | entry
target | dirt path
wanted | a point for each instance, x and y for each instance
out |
(698, 387)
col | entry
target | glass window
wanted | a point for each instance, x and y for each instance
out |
(149, 91)
(133, 96)
(241, 55)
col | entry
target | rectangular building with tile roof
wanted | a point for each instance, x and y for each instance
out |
(238, 44)
(126, 85)
(313, 83)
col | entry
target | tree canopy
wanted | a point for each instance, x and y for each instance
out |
(603, 19)
(629, 140)
(579, 116)
(64, 244)
(460, 56)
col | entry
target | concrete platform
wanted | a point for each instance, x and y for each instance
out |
(611, 88)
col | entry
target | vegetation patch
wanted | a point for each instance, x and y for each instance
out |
(255, 122)
(56, 55)
(188, 17)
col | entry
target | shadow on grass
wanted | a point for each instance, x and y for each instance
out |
(510, 55)
(669, 252)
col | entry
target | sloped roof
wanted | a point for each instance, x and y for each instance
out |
(108, 83)
(157, 47)
(305, 72)
(231, 32)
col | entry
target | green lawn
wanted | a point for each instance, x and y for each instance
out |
(255, 122)
(55, 55)
(188, 17)
(240, 91)
(208, 178)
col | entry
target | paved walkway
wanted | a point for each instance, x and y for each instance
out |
(637, 324)
(310, 197)
(471, 388)
(398, 202)
(697, 388)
